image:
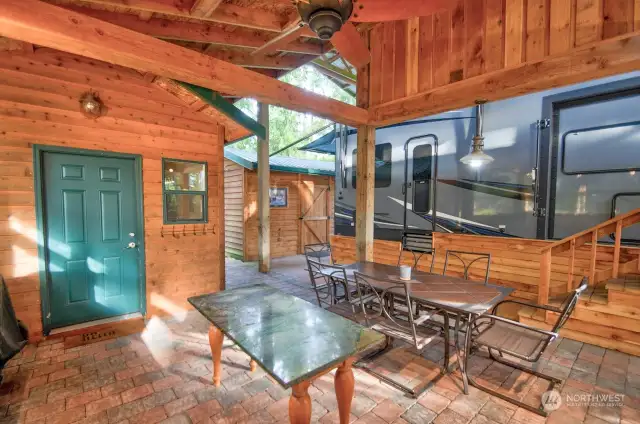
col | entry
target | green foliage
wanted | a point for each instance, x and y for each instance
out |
(287, 126)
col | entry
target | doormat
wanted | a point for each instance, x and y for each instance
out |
(102, 332)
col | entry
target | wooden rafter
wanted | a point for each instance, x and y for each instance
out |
(204, 8)
(233, 131)
(196, 32)
(250, 61)
(40, 23)
(286, 37)
(216, 101)
(225, 14)
(334, 72)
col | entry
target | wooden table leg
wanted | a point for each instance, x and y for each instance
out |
(215, 340)
(253, 365)
(344, 385)
(300, 404)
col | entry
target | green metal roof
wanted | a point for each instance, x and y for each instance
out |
(249, 160)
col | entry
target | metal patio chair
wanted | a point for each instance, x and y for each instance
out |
(378, 310)
(502, 336)
(320, 252)
(325, 280)
(418, 244)
(467, 260)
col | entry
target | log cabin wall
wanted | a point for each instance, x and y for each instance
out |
(39, 104)
(483, 37)
(288, 232)
(234, 209)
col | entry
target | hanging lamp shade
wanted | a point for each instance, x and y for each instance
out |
(478, 158)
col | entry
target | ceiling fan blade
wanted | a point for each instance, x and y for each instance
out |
(349, 44)
(395, 10)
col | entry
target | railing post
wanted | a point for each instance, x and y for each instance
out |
(572, 260)
(545, 278)
(616, 249)
(592, 263)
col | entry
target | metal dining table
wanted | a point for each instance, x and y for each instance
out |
(461, 298)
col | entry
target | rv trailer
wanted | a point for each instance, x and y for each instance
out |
(564, 160)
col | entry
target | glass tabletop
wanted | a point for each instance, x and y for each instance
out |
(290, 338)
(451, 293)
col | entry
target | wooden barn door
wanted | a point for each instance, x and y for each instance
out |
(315, 214)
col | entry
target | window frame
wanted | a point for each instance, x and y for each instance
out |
(204, 194)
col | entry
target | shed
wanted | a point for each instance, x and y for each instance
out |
(301, 199)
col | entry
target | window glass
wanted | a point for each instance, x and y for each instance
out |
(184, 176)
(382, 164)
(617, 148)
(422, 162)
(184, 191)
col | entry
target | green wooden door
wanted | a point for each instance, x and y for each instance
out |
(90, 214)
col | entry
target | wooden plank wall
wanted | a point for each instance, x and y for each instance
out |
(234, 209)
(285, 225)
(39, 95)
(477, 37)
(515, 262)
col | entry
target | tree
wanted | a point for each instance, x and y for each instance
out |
(287, 126)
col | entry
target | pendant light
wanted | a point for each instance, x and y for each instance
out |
(478, 158)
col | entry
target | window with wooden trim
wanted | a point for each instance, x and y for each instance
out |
(184, 191)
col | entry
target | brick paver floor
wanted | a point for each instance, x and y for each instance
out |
(164, 375)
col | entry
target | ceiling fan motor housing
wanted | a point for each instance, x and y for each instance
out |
(325, 23)
(325, 17)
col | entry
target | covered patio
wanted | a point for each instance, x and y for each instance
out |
(164, 375)
(114, 116)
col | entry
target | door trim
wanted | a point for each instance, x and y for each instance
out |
(38, 152)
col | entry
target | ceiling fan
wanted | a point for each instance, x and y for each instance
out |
(333, 20)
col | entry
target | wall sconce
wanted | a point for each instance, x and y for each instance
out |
(91, 106)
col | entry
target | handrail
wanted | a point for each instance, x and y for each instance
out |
(571, 243)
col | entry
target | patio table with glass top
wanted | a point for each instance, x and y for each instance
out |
(462, 298)
(293, 340)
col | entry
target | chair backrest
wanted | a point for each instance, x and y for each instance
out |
(569, 305)
(320, 275)
(418, 244)
(383, 292)
(467, 259)
(318, 252)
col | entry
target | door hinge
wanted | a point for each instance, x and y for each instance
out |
(543, 124)
(540, 212)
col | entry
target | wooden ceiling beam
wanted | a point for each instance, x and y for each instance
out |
(40, 23)
(204, 8)
(188, 31)
(249, 61)
(224, 14)
(280, 42)
(597, 60)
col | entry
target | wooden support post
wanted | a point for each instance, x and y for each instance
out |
(365, 185)
(572, 261)
(592, 263)
(545, 278)
(264, 219)
(219, 205)
(616, 249)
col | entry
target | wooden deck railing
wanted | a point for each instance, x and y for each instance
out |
(571, 243)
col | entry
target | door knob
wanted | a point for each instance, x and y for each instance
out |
(131, 245)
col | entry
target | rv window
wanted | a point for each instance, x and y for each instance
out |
(606, 143)
(383, 166)
(422, 162)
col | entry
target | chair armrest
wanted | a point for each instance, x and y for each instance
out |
(532, 305)
(517, 324)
